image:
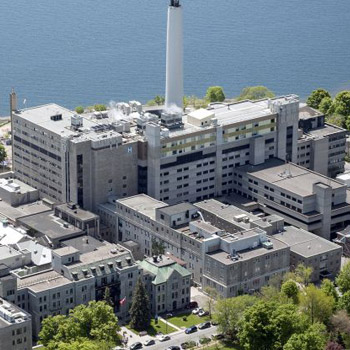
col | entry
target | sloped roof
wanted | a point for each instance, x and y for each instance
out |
(163, 273)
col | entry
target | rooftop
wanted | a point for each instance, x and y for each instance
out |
(11, 314)
(50, 225)
(144, 204)
(11, 185)
(163, 269)
(177, 208)
(306, 112)
(225, 258)
(43, 281)
(305, 243)
(85, 244)
(75, 211)
(40, 255)
(291, 177)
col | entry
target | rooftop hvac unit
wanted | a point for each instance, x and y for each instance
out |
(76, 121)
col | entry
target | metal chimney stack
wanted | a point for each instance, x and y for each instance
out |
(174, 56)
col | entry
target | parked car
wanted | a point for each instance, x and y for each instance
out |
(203, 313)
(164, 338)
(204, 325)
(192, 305)
(136, 346)
(173, 347)
(149, 342)
(191, 329)
(196, 310)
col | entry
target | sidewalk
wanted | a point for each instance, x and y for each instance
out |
(169, 324)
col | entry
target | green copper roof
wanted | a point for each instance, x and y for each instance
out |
(162, 273)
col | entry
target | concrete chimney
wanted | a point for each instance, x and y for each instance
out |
(174, 56)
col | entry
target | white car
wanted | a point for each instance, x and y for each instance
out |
(197, 310)
(164, 338)
(149, 342)
(203, 313)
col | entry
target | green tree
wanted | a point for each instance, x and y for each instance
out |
(314, 100)
(328, 287)
(159, 100)
(49, 327)
(215, 94)
(140, 308)
(326, 105)
(344, 302)
(303, 274)
(336, 119)
(3, 154)
(342, 103)
(212, 296)
(100, 107)
(290, 289)
(107, 297)
(343, 279)
(255, 93)
(158, 248)
(84, 345)
(317, 305)
(95, 321)
(340, 325)
(314, 338)
(268, 325)
(79, 109)
(228, 312)
(334, 346)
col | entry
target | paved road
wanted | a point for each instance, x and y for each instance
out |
(180, 337)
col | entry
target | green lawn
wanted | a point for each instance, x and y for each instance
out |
(190, 320)
(154, 328)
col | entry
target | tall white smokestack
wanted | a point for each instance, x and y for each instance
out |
(174, 56)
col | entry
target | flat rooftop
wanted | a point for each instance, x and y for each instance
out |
(85, 244)
(13, 186)
(223, 257)
(323, 131)
(144, 204)
(8, 252)
(49, 225)
(14, 213)
(292, 178)
(177, 208)
(305, 243)
(77, 212)
(306, 112)
(43, 281)
(10, 314)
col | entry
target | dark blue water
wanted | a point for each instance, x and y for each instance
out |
(93, 51)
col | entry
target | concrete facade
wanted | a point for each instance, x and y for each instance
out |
(15, 327)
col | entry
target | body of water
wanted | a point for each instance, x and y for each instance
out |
(84, 52)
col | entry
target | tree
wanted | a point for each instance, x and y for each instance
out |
(3, 154)
(228, 312)
(140, 308)
(157, 247)
(79, 109)
(255, 328)
(326, 105)
(316, 304)
(107, 297)
(314, 100)
(159, 100)
(342, 103)
(212, 296)
(334, 346)
(268, 325)
(215, 94)
(344, 302)
(290, 289)
(95, 321)
(343, 279)
(314, 338)
(100, 107)
(336, 119)
(328, 287)
(255, 93)
(303, 274)
(84, 345)
(340, 325)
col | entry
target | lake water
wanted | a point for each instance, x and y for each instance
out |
(76, 52)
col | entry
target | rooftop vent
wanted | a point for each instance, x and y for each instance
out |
(56, 117)
(119, 263)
